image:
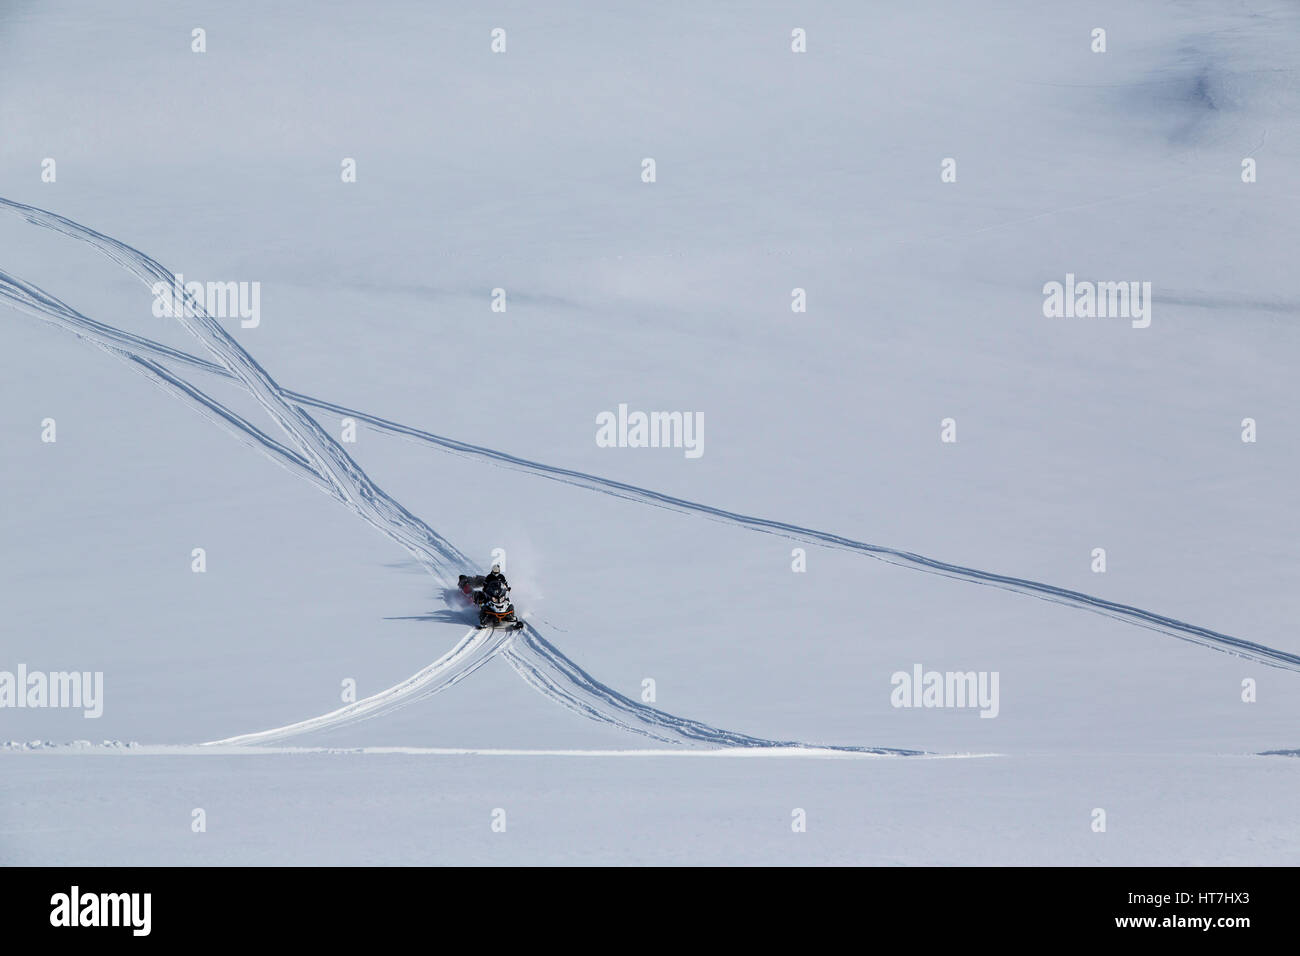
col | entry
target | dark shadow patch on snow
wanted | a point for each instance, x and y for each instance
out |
(438, 617)
(408, 565)
(1195, 93)
(1229, 302)
(457, 611)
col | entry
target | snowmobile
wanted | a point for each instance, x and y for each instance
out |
(491, 595)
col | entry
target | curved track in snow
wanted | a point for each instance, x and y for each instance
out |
(318, 458)
(139, 346)
(472, 651)
(325, 456)
(540, 663)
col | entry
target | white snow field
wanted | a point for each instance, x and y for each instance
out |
(689, 688)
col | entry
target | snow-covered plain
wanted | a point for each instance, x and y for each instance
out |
(775, 170)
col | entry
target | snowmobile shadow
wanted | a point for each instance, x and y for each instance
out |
(446, 616)
(457, 611)
(409, 566)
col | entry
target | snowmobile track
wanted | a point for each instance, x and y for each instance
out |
(37, 302)
(317, 458)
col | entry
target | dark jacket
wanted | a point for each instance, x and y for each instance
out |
(490, 584)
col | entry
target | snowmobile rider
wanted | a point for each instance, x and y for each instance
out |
(481, 587)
